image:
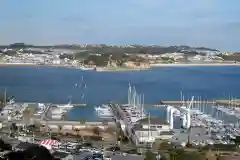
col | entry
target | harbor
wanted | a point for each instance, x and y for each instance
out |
(211, 122)
(197, 122)
(130, 125)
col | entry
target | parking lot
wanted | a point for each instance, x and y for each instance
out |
(196, 134)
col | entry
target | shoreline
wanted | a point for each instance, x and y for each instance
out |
(152, 66)
(194, 64)
(34, 65)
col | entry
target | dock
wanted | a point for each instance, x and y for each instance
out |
(75, 104)
(186, 102)
(213, 102)
(229, 103)
(54, 104)
(180, 103)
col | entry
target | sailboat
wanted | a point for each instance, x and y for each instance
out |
(82, 96)
(66, 106)
(82, 84)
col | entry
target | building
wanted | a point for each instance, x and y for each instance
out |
(154, 123)
(147, 130)
(56, 61)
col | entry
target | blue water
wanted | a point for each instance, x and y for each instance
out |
(57, 85)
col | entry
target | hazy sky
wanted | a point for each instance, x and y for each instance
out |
(210, 23)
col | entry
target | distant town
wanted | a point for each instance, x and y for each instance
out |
(113, 57)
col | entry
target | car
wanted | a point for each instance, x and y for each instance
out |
(97, 155)
(89, 158)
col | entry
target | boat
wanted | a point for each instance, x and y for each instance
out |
(66, 106)
(102, 108)
(104, 111)
(85, 68)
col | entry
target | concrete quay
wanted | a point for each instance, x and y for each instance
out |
(213, 102)
(232, 103)
(52, 104)
(186, 102)
(75, 104)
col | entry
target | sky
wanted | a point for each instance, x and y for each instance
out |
(208, 23)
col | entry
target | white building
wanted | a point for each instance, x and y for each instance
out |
(147, 130)
(56, 61)
(198, 58)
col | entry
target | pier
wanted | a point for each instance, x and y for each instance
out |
(75, 105)
(177, 103)
(213, 102)
(54, 104)
(233, 103)
(180, 103)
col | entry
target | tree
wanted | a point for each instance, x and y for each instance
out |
(149, 156)
(96, 131)
(83, 121)
(218, 158)
(13, 127)
(173, 155)
(163, 146)
(5, 146)
(34, 153)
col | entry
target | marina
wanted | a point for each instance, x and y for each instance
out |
(193, 120)
(196, 122)
(207, 125)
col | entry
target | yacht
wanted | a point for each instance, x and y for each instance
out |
(65, 106)
(103, 110)
(86, 68)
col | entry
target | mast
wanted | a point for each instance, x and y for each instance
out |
(200, 103)
(138, 100)
(143, 104)
(5, 96)
(183, 100)
(181, 97)
(134, 97)
(129, 94)
(149, 125)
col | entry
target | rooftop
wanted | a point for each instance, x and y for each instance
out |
(153, 120)
(138, 127)
(167, 133)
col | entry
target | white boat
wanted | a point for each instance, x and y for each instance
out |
(65, 106)
(105, 114)
(103, 110)
(85, 68)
